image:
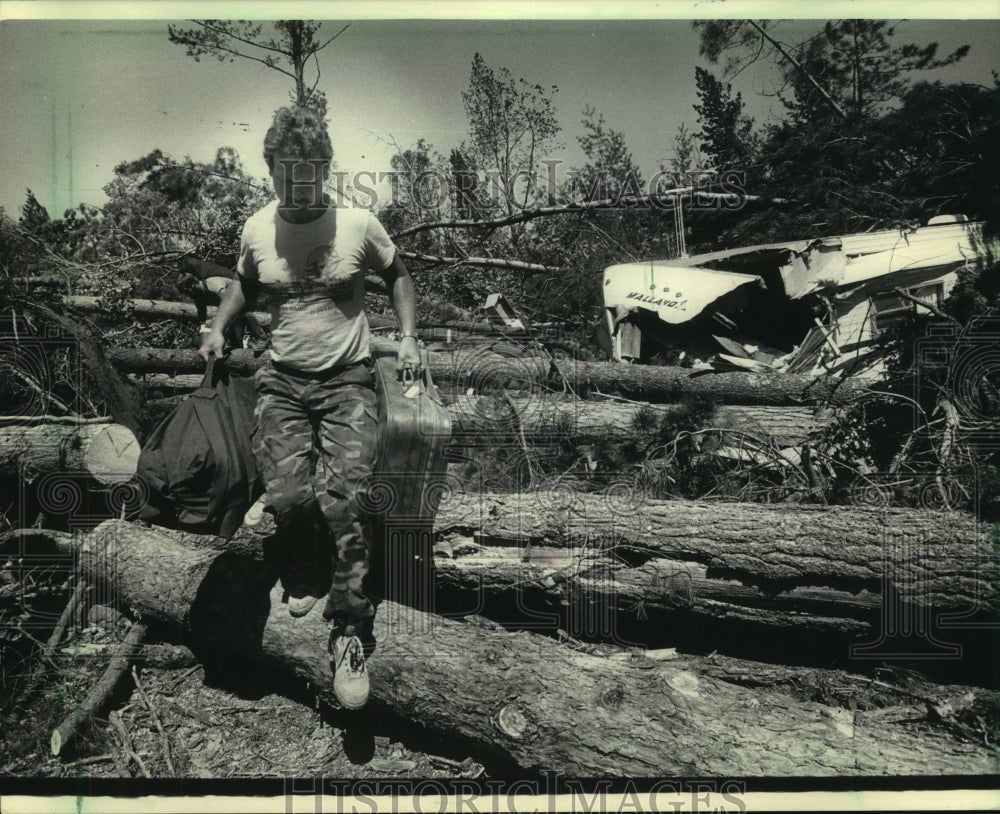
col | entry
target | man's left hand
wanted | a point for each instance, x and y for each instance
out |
(408, 356)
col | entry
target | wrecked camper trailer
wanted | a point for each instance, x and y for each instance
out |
(806, 306)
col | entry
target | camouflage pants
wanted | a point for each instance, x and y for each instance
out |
(314, 440)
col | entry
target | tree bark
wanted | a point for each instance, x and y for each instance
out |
(593, 420)
(109, 452)
(184, 310)
(540, 704)
(160, 383)
(930, 559)
(486, 372)
(583, 421)
(589, 592)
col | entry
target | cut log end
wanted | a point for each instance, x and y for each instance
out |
(108, 452)
(512, 721)
(113, 455)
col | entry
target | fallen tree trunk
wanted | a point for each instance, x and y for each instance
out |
(474, 417)
(45, 338)
(589, 594)
(184, 310)
(143, 307)
(161, 656)
(542, 705)
(593, 420)
(486, 372)
(109, 452)
(932, 559)
(242, 361)
(373, 284)
(182, 383)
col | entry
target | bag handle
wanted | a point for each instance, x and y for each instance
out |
(408, 377)
(215, 369)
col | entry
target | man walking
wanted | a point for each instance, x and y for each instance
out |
(315, 420)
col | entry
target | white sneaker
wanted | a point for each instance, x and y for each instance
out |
(299, 606)
(350, 672)
(255, 513)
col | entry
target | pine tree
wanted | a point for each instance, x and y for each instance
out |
(288, 51)
(610, 171)
(726, 133)
(34, 216)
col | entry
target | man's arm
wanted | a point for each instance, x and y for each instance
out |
(235, 299)
(403, 296)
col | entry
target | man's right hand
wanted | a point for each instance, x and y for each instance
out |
(214, 342)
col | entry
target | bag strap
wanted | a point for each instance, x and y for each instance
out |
(206, 380)
(215, 369)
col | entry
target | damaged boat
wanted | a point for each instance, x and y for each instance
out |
(809, 306)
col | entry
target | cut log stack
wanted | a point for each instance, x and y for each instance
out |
(817, 570)
(623, 716)
(838, 570)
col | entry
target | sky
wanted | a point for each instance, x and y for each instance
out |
(81, 95)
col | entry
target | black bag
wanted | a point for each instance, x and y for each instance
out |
(198, 465)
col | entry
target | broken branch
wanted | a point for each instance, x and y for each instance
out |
(923, 304)
(572, 208)
(488, 262)
(69, 731)
(69, 612)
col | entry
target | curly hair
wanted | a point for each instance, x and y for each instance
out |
(297, 132)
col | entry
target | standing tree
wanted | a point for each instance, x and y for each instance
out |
(420, 191)
(584, 242)
(288, 51)
(158, 204)
(858, 67)
(610, 171)
(511, 124)
(34, 216)
(726, 132)
(687, 158)
(848, 68)
(465, 184)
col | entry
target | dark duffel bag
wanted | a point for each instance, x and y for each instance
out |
(198, 465)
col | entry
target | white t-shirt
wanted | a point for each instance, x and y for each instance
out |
(314, 275)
